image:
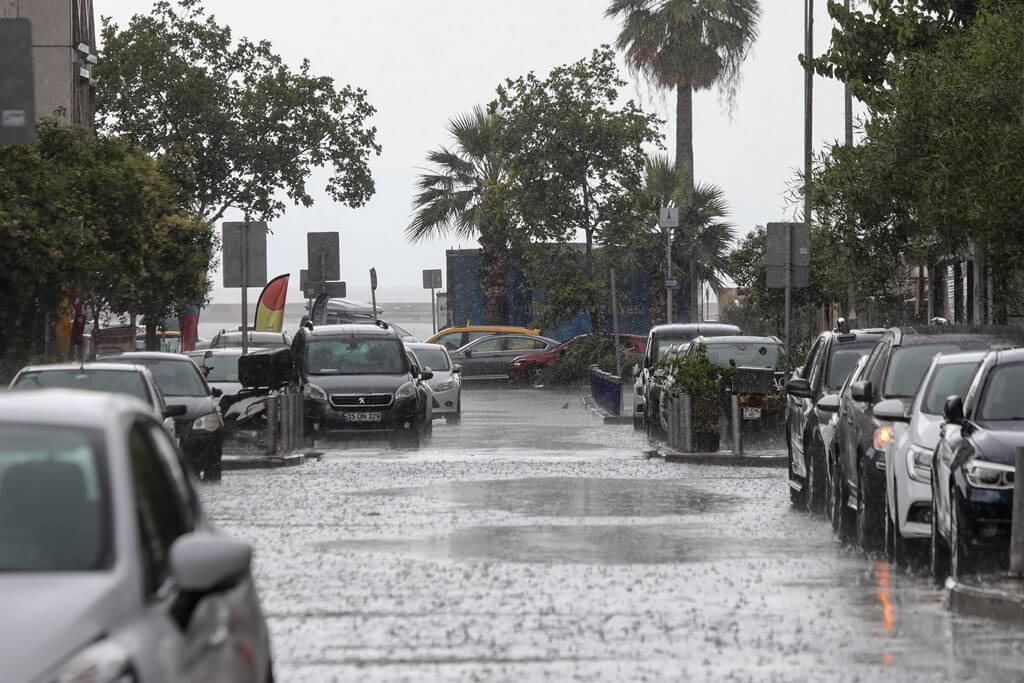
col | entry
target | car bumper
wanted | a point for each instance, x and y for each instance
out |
(914, 500)
(446, 402)
(323, 417)
(202, 448)
(517, 373)
(985, 516)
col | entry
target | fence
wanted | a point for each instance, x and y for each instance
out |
(284, 423)
(606, 390)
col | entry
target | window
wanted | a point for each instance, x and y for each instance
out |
(842, 360)
(946, 381)
(1004, 394)
(433, 358)
(524, 344)
(491, 344)
(356, 356)
(127, 381)
(907, 368)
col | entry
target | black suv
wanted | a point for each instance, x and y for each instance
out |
(360, 379)
(830, 360)
(894, 370)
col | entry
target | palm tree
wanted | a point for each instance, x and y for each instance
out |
(703, 238)
(462, 195)
(687, 45)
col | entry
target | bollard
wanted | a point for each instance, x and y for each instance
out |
(273, 407)
(676, 421)
(286, 424)
(1017, 520)
(297, 408)
(737, 425)
(687, 424)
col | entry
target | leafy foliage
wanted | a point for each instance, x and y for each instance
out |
(232, 125)
(594, 349)
(707, 384)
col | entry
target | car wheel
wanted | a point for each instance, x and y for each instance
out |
(533, 376)
(815, 483)
(456, 417)
(797, 497)
(960, 562)
(939, 550)
(868, 522)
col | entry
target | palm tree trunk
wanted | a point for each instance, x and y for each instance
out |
(494, 276)
(684, 131)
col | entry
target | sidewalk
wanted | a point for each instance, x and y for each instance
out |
(243, 461)
(1001, 599)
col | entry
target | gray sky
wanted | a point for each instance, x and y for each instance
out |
(424, 61)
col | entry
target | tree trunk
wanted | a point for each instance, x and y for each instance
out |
(493, 276)
(684, 158)
(152, 343)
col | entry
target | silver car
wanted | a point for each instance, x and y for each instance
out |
(446, 384)
(109, 568)
(488, 357)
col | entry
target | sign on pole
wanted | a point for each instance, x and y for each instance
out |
(432, 279)
(672, 283)
(799, 254)
(255, 253)
(441, 306)
(304, 281)
(668, 217)
(17, 87)
(323, 256)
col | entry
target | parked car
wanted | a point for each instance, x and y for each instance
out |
(894, 370)
(220, 366)
(360, 379)
(646, 407)
(908, 459)
(827, 365)
(488, 357)
(110, 568)
(973, 468)
(828, 407)
(453, 338)
(528, 368)
(134, 380)
(200, 429)
(266, 340)
(446, 384)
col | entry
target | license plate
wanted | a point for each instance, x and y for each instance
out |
(362, 417)
(751, 413)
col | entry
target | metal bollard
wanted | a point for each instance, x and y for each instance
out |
(273, 408)
(297, 408)
(687, 423)
(1017, 520)
(737, 425)
(673, 420)
(286, 424)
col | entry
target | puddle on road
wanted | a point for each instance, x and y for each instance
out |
(574, 497)
(555, 544)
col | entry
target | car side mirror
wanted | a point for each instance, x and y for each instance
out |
(427, 373)
(457, 369)
(861, 391)
(176, 410)
(799, 387)
(953, 410)
(467, 353)
(202, 562)
(216, 392)
(829, 403)
(892, 409)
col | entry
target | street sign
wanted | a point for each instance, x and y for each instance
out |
(17, 87)
(255, 253)
(799, 254)
(323, 256)
(672, 283)
(432, 279)
(303, 280)
(333, 289)
(668, 217)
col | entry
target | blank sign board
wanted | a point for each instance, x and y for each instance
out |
(323, 256)
(17, 88)
(256, 253)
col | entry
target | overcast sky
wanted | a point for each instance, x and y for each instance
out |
(424, 61)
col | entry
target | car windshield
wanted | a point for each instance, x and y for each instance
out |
(946, 381)
(433, 358)
(842, 360)
(908, 365)
(175, 377)
(355, 356)
(664, 345)
(744, 354)
(221, 368)
(1003, 397)
(54, 512)
(116, 381)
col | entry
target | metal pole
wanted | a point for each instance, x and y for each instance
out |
(673, 409)
(668, 274)
(808, 148)
(433, 309)
(615, 329)
(789, 283)
(687, 426)
(286, 424)
(272, 422)
(1017, 520)
(245, 285)
(737, 437)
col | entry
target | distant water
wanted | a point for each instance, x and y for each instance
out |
(414, 317)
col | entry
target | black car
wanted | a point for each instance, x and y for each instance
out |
(360, 379)
(200, 430)
(659, 340)
(973, 468)
(894, 370)
(830, 360)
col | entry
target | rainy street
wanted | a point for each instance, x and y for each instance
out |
(534, 541)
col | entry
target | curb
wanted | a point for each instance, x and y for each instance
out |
(726, 459)
(1000, 604)
(590, 404)
(265, 462)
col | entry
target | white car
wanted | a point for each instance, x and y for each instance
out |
(109, 567)
(446, 384)
(908, 455)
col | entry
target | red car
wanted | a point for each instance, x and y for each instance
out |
(528, 368)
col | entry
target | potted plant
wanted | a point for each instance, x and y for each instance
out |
(707, 385)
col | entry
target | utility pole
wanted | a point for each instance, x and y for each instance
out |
(808, 148)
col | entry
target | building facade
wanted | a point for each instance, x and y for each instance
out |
(63, 54)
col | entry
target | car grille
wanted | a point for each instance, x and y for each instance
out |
(361, 400)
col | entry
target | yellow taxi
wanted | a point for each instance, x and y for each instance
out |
(456, 337)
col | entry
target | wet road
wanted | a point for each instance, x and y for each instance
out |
(534, 542)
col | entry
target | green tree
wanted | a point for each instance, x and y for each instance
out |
(576, 161)
(232, 125)
(463, 195)
(688, 45)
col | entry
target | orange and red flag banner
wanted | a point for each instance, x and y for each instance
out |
(270, 307)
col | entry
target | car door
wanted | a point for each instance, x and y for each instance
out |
(478, 358)
(849, 409)
(799, 409)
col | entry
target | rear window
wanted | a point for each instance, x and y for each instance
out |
(355, 356)
(843, 359)
(946, 381)
(114, 381)
(908, 365)
(174, 377)
(745, 355)
(220, 368)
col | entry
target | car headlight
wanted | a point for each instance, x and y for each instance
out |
(314, 392)
(443, 386)
(407, 390)
(883, 435)
(102, 662)
(210, 422)
(919, 463)
(988, 475)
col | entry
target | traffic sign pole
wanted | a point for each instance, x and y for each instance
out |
(245, 283)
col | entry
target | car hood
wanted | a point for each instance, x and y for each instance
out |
(924, 430)
(359, 384)
(998, 445)
(76, 609)
(194, 405)
(227, 388)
